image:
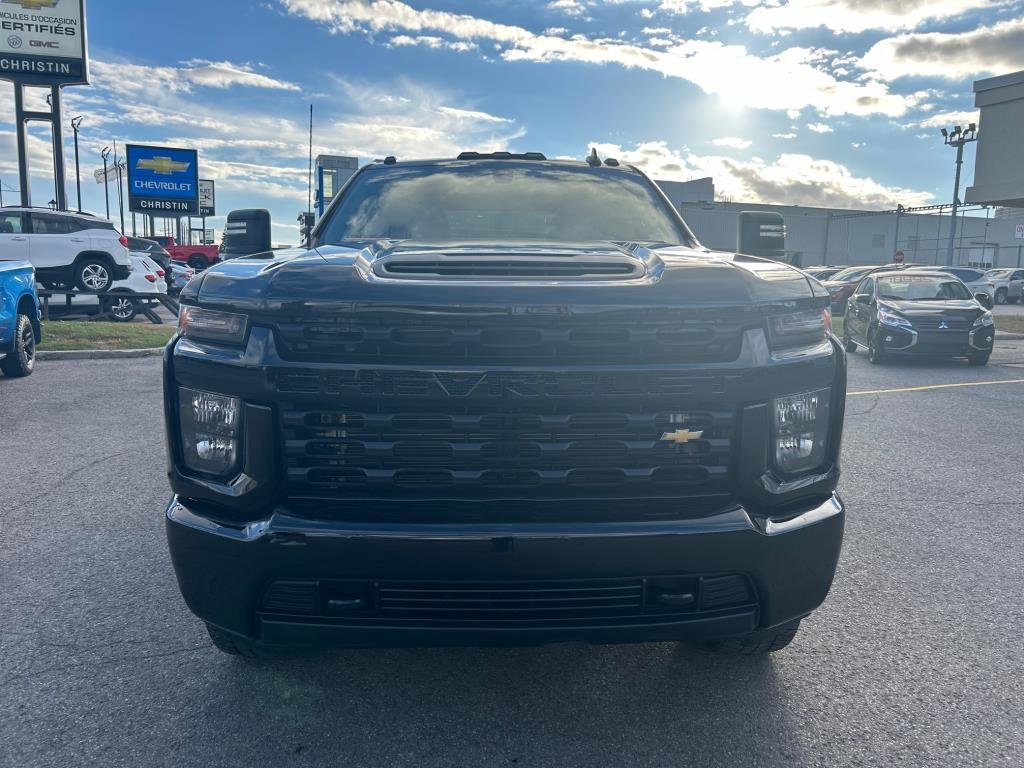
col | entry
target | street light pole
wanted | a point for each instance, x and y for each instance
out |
(106, 187)
(76, 123)
(957, 139)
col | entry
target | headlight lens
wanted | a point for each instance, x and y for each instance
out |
(212, 325)
(800, 431)
(889, 318)
(984, 319)
(799, 328)
(210, 429)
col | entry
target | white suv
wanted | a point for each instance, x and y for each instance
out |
(66, 248)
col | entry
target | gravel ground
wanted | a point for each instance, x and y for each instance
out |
(914, 660)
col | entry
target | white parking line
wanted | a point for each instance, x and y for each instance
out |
(931, 387)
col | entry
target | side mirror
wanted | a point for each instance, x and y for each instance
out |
(984, 299)
(863, 298)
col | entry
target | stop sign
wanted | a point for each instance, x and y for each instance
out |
(898, 258)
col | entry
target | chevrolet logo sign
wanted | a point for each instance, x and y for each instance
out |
(682, 436)
(32, 5)
(162, 165)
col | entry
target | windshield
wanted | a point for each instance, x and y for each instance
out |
(849, 275)
(502, 200)
(906, 287)
(999, 272)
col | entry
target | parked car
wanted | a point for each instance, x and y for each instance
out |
(66, 248)
(20, 329)
(445, 424)
(840, 286)
(975, 279)
(823, 273)
(918, 312)
(182, 274)
(1009, 284)
(145, 279)
(199, 257)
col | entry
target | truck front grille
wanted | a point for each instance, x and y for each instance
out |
(488, 435)
(446, 336)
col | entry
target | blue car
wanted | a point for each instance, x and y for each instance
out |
(20, 329)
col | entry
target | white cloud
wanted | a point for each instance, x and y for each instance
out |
(730, 72)
(432, 41)
(682, 7)
(990, 49)
(471, 115)
(568, 7)
(790, 179)
(946, 119)
(732, 142)
(786, 136)
(819, 127)
(858, 15)
(123, 76)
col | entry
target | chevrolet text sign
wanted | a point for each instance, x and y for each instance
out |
(163, 180)
(42, 42)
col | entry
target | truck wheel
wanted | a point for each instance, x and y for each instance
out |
(1001, 296)
(197, 262)
(22, 358)
(233, 644)
(981, 359)
(756, 643)
(93, 273)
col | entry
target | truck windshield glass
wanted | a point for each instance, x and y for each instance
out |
(503, 201)
(906, 287)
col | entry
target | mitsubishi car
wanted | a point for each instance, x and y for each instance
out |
(917, 312)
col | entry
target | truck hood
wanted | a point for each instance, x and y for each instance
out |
(337, 276)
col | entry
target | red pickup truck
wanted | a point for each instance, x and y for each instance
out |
(198, 257)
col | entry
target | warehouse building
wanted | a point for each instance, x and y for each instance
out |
(986, 237)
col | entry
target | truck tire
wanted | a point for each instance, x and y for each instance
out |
(754, 644)
(1001, 294)
(22, 358)
(93, 273)
(233, 644)
(979, 360)
(198, 262)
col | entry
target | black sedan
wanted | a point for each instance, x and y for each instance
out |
(918, 313)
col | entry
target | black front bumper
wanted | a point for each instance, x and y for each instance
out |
(942, 343)
(287, 580)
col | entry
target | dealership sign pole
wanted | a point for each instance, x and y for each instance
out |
(43, 44)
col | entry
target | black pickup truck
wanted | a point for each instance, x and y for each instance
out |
(503, 399)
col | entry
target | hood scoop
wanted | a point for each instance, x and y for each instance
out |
(511, 267)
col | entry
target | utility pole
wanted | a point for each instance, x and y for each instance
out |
(106, 182)
(957, 139)
(76, 123)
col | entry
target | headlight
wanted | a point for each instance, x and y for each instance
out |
(800, 431)
(212, 325)
(984, 319)
(210, 429)
(799, 328)
(890, 318)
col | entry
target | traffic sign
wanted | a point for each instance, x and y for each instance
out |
(1018, 231)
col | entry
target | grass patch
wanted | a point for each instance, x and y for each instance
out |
(1010, 323)
(68, 335)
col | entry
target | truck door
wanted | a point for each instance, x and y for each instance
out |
(14, 243)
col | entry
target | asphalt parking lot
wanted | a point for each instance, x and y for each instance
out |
(915, 659)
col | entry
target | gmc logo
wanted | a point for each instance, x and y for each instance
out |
(43, 44)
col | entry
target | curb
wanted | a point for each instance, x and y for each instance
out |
(98, 354)
(1008, 335)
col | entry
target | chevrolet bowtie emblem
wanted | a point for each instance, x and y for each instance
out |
(32, 5)
(681, 436)
(162, 165)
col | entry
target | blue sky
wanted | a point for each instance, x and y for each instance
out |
(813, 102)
